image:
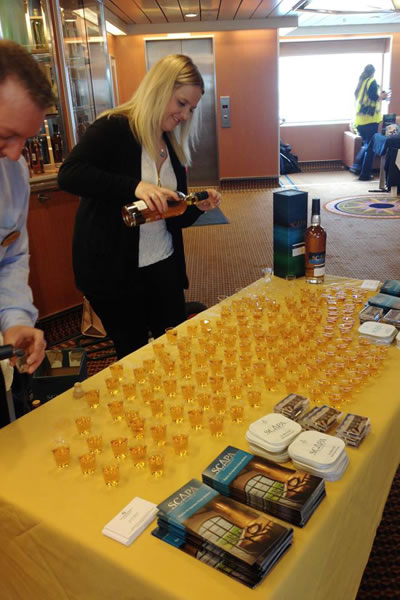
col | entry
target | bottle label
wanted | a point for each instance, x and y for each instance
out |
(140, 205)
(317, 261)
(298, 250)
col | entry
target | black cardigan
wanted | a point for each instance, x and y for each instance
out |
(104, 168)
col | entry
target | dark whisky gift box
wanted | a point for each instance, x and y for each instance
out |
(290, 224)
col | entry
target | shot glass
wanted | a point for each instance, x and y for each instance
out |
(129, 390)
(62, 456)
(186, 370)
(95, 443)
(156, 462)
(260, 368)
(247, 378)
(217, 383)
(177, 412)
(245, 361)
(230, 372)
(237, 412)
(149, 364)
(172, 335)
(219, 403)
(168, 366)
(130, 415)
(216, 365)
(158, 348)
(88, 463)
(188, 393)
(155, 380)
(117, 370)
(147, 394)
(157, 407)
(119, 446)
(230, 355)
(83, 425)
(216, 425)
(204, 400)
(137, 427)
(139, 374)
(180, 442)
(92, 398)
(170, 387)
(201, 377)
(196, 418)
(184, 342)
(111, 475)
(112, 384)
(192, 330)
(254, 398)
(236, 391)
(116, 408)
(138, 455)
(201, 359)
(159, 433)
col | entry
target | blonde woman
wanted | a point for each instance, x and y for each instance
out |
(134, 277)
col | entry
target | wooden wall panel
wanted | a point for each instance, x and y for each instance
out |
(247, 71)
(315, 142)
(50, 227)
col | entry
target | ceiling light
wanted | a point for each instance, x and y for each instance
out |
(178, 36)
(190, 15)
(88, 14)
(110, 28)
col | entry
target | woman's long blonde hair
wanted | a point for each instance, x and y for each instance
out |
(145, 110)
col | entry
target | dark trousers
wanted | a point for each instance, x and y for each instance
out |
(365, 158)
(151, 303)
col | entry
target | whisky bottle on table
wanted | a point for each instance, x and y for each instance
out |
(315, 246)
(138, 213)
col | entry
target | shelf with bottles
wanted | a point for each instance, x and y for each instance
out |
(37, 27)
(44, 152)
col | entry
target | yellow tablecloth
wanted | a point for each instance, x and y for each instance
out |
(52, 548)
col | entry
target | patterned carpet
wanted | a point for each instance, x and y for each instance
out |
(382, 206)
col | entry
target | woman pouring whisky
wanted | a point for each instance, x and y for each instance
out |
(134, 277)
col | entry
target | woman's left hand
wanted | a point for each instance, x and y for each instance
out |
(213, 200)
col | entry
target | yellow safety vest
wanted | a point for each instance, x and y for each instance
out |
(365, 106)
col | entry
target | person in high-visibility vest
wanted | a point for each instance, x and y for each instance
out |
(368, 116)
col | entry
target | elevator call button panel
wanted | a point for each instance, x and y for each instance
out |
(225, 111)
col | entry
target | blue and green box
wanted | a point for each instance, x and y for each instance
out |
(290, 224)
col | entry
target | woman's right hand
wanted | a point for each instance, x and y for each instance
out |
(155, 197)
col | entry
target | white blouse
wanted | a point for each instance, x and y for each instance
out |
(155, 241)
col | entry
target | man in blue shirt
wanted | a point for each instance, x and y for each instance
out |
(25, 93)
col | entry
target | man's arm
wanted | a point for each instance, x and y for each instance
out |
(17, 312)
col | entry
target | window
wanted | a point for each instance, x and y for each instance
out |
(317, 84)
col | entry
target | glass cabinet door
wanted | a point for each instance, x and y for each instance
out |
(28, 23)
(88, 75)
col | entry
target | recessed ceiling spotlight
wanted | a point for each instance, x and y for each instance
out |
(191, 15)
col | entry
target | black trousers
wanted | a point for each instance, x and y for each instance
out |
(152, 302)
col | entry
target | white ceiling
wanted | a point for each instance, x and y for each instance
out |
(146, 16)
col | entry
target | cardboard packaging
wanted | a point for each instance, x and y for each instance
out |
(290, 224)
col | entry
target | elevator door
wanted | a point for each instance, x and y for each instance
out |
(204, 170)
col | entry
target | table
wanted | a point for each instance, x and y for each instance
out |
(51, 545)
(386, 147)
